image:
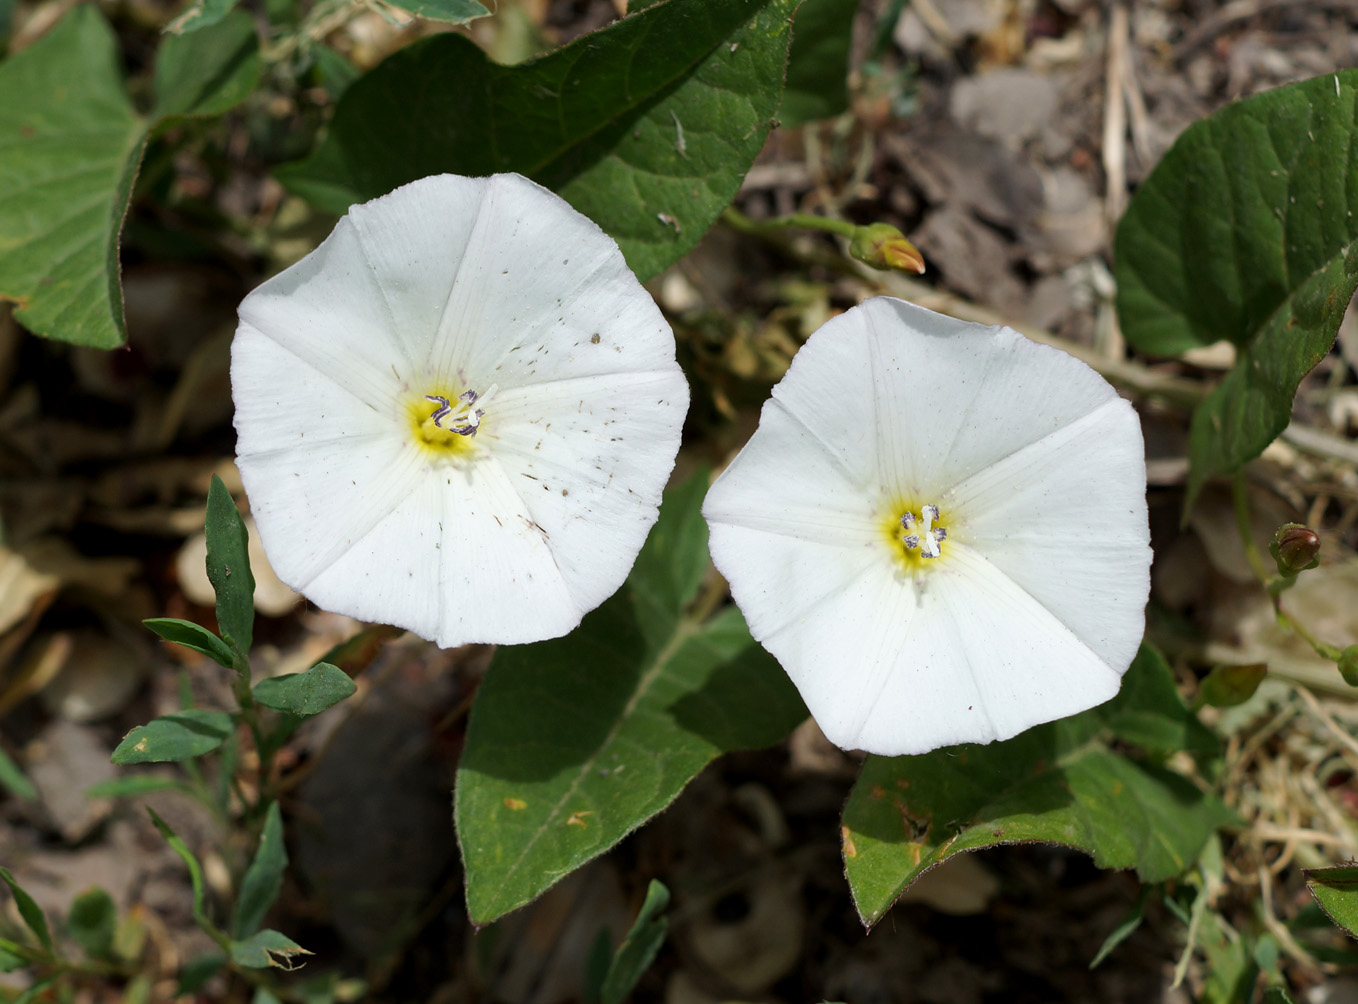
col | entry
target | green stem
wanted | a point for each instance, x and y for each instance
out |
(794, 221)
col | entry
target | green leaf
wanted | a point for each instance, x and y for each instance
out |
(448, 11)
(1277, 995)
(177, 845)
(13, 780)
(646, 126)
(69, 148)
(136, 784)
(1336, 890)
(818, 66)
(1059, 783)
(10, 957)
(639, 948)
(92, 920)
(264, 878)
(200, 14)
(28, 910)
(207, 71)
(1148, 711)
(174, 737)
(1245, 232)
(573, 743)
(193, 636)
(37, 991)
(228, 569)
(267, 948)
(1123, 931)
(305, 694)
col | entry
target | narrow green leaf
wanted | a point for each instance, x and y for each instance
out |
(818, 66)
(1058, 783)
(573, 743)
(1277, 995)
(1124, 930)
(136, 784)
(193, 636)
(13, 780)
(263, 879)
(228, 569)
(646, 126)
(200, 14)
(209, 70)
(178, 736)
(92, 920)
(69, 146)
(195, 874)
(1245, 232)
(267, 948)
(29, 911)
(639, 948)
(10, 956)
(448, 11)
(1336, 890)
(305, 694)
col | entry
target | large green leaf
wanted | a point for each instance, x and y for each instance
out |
(574, 743)
(646, 126)
(1336, 890)
(70, 147)
(818, 66)
(1061, 783)
(1245, 232)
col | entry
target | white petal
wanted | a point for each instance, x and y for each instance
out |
(588, 453)
(788, 481)
(542, 295)
(414, 241)
(329, 313)
(1065, 518)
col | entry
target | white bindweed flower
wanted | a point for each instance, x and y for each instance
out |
(939, 529)
(458, 413)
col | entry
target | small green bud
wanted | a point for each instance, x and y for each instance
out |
(1227, 686)
(1348, 665)
(883, 246)
(1295, 548)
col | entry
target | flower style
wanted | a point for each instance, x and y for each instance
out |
(939, 529)
(458, 413)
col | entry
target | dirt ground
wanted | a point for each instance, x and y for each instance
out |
(1004, 137)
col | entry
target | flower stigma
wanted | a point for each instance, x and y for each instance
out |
(445, 424)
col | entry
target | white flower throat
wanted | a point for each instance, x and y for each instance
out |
(921, 533)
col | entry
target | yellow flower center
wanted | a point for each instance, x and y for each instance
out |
(445, 424)
(916, 533)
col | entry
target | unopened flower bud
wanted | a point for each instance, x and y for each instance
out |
(1348, 665)
(883, 246)
(1227, 686)
(1295, 548)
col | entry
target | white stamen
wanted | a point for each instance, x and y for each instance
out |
(464, 417)
(928, 536)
